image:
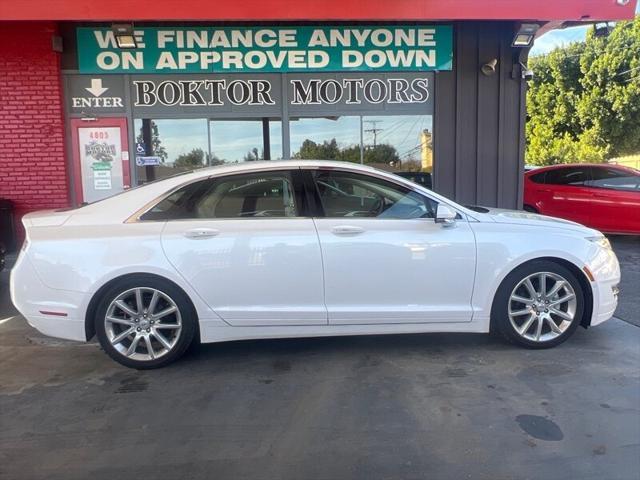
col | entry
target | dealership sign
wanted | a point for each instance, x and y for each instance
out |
(268, 49)
(268, 94)
(311, 91)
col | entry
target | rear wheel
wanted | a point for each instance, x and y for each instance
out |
(538, 305)
(145, 322)
(530, 209)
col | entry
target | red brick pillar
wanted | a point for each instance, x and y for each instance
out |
(33, 170)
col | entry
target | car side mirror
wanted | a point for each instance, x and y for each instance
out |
(445, 215)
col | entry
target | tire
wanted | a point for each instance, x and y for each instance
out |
(167, 326)
(509, 315)
(530, 209)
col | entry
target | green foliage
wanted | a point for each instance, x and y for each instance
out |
(310, 150)
(195, 159)
(611, 105)
(584, 102)
(382, 153)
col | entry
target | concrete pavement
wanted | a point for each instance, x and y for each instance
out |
(389, 407)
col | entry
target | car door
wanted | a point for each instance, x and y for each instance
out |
(385, 259)
(565, 194)
(242, 243)
(615, 205)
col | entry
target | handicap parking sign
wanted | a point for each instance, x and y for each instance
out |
(141, 149)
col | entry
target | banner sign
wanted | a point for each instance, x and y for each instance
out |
(268, 49)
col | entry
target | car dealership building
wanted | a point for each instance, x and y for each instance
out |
(99, 97)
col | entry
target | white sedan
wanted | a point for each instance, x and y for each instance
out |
(303, 249)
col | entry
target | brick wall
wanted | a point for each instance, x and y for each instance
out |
(32, 161)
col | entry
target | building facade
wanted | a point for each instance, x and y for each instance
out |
(94, 100)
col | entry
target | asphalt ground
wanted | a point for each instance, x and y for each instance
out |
(627, 249)
(433, 406)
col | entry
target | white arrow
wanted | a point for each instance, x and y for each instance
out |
(96, 87)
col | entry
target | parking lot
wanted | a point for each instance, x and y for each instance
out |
(433, 406)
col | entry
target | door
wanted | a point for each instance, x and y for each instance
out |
(385, 259)
(243, 245)
(615, 205)
(100, 158)
(565, 194)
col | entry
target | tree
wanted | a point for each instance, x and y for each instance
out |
(195, 159)
(310, 150)
(584, 102)
(610, 107)
(554, 131)
(253, 155)
(157, 149)
(382, 153)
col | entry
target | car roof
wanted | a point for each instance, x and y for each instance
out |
(267, 164)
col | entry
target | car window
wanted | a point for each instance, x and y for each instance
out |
(614, 179)
(538, 177)
(268, 194)
(345, 194)
(575, 176)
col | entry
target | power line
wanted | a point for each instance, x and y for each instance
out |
(374, 130)
(394, 126)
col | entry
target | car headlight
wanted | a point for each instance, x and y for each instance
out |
(602, 241)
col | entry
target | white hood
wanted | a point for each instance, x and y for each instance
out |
(519, 217)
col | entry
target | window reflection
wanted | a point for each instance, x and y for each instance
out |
(187, 144)
(242, 140)
(395, 143)
(180, 145)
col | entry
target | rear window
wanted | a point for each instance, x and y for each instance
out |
(538, 177)
(265, 194)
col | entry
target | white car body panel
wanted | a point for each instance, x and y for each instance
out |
(289, 281)
(281, 258)
(387, 272)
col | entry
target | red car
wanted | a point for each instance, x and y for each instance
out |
(601, 196)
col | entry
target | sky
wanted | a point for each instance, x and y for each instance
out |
(558, 38)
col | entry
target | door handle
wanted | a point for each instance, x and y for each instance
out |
(197, 233)
(347, 230)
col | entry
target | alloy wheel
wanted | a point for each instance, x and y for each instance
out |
(542, 306)
(143, 323)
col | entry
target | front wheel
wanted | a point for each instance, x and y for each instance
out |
(145, 322)
(538, 305)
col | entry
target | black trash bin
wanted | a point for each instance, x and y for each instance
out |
(7, 226)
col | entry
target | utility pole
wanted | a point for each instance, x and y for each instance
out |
(374, 130)
(361, 142)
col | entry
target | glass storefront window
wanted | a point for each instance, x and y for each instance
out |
(398, 143)
(395, 143)
(242, 140)
(187, 144)
(179, 144)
